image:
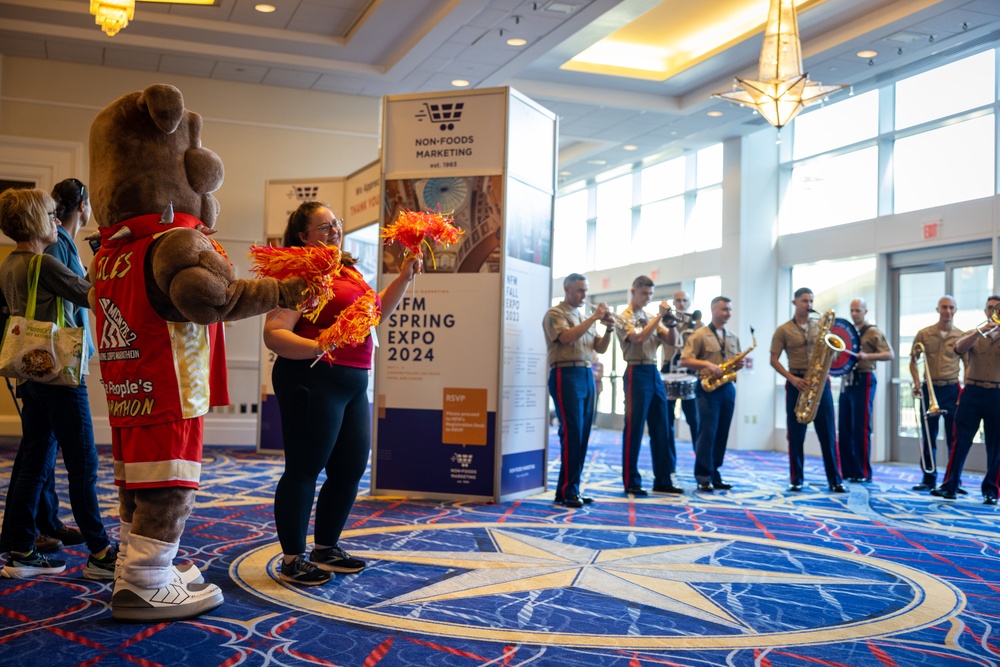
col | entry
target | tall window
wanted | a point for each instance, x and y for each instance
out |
(835, 284)
(614, 223)
(952, 163)
(937, 146)
(679, 207)
(831, 190)
(959, 86)
(569, 238)
(847, 122)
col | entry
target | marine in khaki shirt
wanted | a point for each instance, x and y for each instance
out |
(571, 339)
(797, 338)
(979, 406)
(935, 345)
(704, 352)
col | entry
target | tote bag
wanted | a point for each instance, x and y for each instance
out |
(38, 351)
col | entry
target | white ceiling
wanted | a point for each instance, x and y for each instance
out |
(381, 47)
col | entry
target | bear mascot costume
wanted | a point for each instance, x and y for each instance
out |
(162, 289)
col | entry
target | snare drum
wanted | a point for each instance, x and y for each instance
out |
(679, 385)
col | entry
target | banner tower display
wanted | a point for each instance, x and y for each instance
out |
(461, 398)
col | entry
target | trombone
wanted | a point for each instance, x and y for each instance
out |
(933, 411)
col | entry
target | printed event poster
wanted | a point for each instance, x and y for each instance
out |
(437, 379)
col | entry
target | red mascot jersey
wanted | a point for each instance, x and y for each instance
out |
(153, 371)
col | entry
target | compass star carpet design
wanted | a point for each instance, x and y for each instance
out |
(880, 577)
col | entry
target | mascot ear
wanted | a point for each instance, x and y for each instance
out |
(165, 106)
(204, 170)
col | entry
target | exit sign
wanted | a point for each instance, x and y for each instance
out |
(932, 230)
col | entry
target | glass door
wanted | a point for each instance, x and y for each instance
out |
(916, 293)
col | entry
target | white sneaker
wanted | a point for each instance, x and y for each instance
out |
(176, 601)
(188, 573)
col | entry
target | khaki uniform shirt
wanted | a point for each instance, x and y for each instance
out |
(940, 356)
(796, 343)
(983, 361)
(872, 340)
(705, 345)
(635, 353)
(561, 318)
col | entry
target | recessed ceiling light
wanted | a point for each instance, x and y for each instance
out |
(565, 173)
(265, 9)
(459, 83)
(714, 114)
(597, 162)
(867, 54)
(516, 41)
(629, 147)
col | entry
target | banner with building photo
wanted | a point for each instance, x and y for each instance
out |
(471, 318)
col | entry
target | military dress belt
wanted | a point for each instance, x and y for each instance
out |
(571, 364)
(983, 384)
(944, 383)
(644, 362)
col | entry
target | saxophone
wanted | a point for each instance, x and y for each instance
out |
(816, 372)
(711, 383)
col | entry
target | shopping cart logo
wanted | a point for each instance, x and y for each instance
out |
(464, 460)
(445, 114)
(304, 192)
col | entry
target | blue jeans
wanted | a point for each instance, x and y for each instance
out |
(572, 390)
(63, 412)
(823, 423)
(715, 411)
(646, 402)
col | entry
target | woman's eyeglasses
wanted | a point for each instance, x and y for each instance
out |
(327, 226)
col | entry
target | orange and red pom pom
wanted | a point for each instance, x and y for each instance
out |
(352, 326)
(317, 265)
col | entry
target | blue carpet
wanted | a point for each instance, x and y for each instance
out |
(881, 576)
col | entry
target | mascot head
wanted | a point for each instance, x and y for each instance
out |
(146, 154)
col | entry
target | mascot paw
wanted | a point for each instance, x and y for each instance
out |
(292, 292)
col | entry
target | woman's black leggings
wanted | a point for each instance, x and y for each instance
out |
(326, 425)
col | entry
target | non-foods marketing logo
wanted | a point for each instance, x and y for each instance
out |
(303, 192)
(464, 460)
(445, 114)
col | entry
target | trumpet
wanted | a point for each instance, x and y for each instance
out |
(993, 319)
(617, 320)
(675, 317)
(927, 462)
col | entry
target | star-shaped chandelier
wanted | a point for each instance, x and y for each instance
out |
(781, 89)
